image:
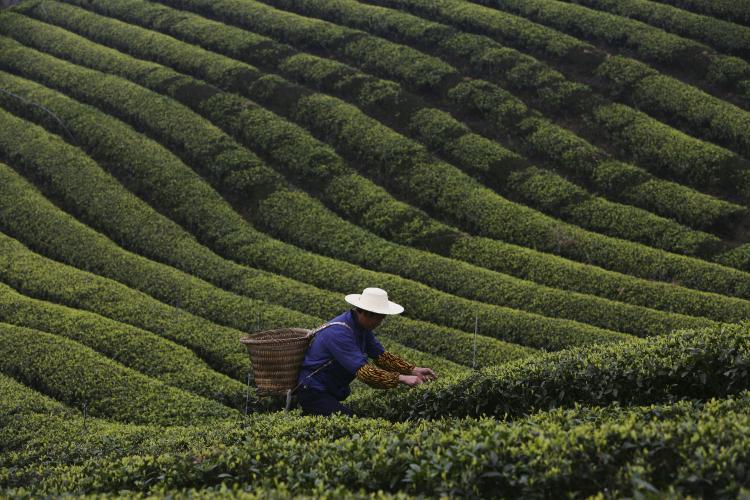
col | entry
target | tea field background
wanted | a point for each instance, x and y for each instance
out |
(558, 193)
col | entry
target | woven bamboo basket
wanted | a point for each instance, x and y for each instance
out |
(276, 357)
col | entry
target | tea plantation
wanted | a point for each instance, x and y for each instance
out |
(557, 191)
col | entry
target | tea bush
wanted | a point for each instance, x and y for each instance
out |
(133, 347)
(727, 9)
(648, 42)
(681, 105)
(77, 375)
(689, 364)
(722, 35)
(623, 451)
(495, 319)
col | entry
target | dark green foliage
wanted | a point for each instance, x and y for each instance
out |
(671, 153)
(45, 279)
(690, 364)
(507, 29)
(218, 345)
(343, 186)
(648, 42)
(522, 296)
(731, 10)
(501, 322)
(381, 98)
(78, 375)
(722, 35)
(488, 225)
(505, 111)
(683, 106)
(135, 348)
(623, 451)
(690, 208)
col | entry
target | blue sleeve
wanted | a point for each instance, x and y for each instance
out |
(373, 347)
(344, 349)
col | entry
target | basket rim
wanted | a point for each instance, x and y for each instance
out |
(249, 338)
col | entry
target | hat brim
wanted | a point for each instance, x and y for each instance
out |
(391, 308)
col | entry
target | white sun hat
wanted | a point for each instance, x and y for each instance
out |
(374, 300)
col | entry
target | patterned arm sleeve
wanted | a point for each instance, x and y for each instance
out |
(375, 377)
(394, 363)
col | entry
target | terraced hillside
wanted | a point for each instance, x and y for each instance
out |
(558, 192)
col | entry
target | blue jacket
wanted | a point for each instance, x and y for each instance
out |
(349, 350)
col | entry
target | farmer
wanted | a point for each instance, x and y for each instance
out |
(339, 353)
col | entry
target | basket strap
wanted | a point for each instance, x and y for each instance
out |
(325, 365)
(323, 327)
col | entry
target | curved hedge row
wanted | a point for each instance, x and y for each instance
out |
(328, 75)
(606, 170)
(482, 55)
(135, 348)
(672, 153)
(574, 205)
(431, 303)
(618, 285)
(554, 194)
(729, 9)
(672, 200)
(339, 13)
(493, 103)
(689, 364)
(70, 241)
(644, 448)
(45, 279)
(50, 280)
(738, 257)
(684, 106)
(728, 37)
(77, 375)
(648, 42)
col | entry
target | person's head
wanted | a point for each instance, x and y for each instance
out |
(367, 319)
(372, 306)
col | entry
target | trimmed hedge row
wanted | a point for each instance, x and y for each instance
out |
(503, 109)
(272, 289)
(623, 181)
(728, 37)
(621, 286)
(738, 257)
(332, 76)
(135, 348)
(521, 295)
(686, 206)
(577, 452)
(49, 280)
(731, 10)
(255, 21)
(60, 235)
(648, 42)
(486, 55)
(515, 265)
(671, 153)
(27, 213)
(515, 30)
(333, 12)
(697, 364)
(552, 193)
(686, 107)
(53, 281)
(497, 321)
(78, 375)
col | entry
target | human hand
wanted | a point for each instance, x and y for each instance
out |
(426, 374)
(410, 380)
